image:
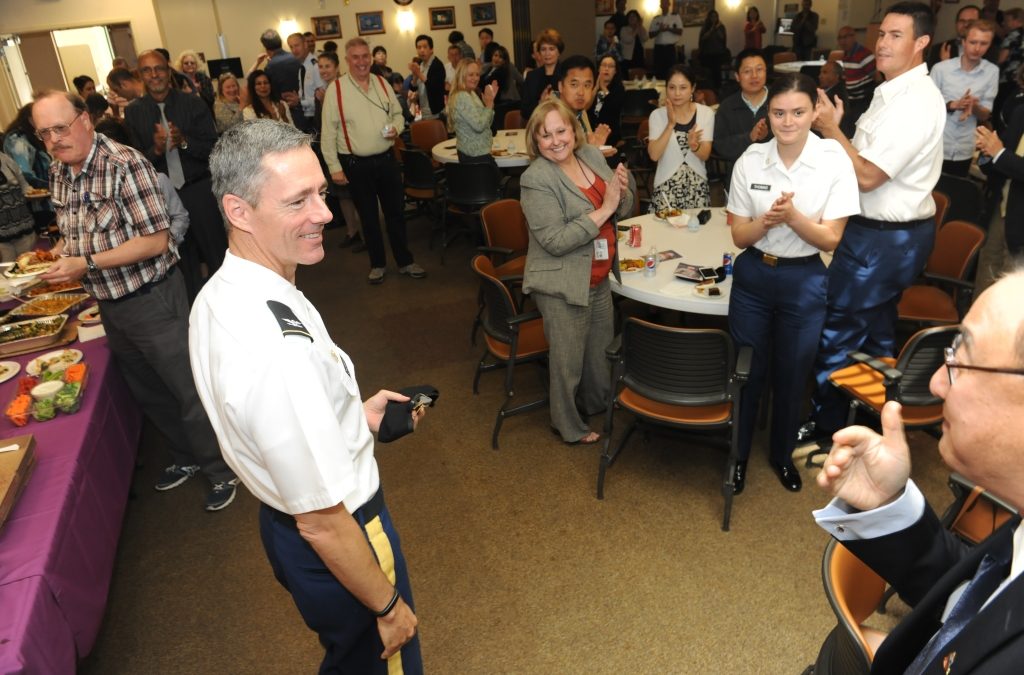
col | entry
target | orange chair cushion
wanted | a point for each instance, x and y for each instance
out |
(531, 342)
(867, 385)
(674, 414)
(420, 193)
(514, 267)
(927, 303)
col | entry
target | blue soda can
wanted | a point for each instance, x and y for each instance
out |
(727, 263)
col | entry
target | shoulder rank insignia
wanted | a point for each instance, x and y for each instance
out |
(290, 324)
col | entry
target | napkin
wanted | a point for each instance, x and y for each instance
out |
(86, 333)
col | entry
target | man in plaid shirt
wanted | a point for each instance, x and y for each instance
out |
(114, 238)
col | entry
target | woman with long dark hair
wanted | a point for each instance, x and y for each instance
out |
(608, 96)
(264, 101)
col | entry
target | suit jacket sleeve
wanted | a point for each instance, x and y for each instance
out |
(1010, 163)
(435, 86)
(912, 560)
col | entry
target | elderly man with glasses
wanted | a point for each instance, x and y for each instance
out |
(114, 238)
(966, 602)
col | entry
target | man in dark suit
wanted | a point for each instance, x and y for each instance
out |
(1005, 153)
(881, 516)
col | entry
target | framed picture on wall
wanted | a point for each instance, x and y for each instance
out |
(326, 26)
(695, 11)
(604, 7)
(483, 13)
(370, 23)
(442, 18)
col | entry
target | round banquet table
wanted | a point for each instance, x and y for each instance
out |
(511, 143)
(795, 66)
(703, 248)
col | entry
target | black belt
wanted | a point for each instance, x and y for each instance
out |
(363, 514)
(144, 289)
(776, 261)
(380, 155)
(883, 225)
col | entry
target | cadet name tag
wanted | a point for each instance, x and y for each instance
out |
(760, 186)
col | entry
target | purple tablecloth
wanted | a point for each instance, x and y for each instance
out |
(57, 548)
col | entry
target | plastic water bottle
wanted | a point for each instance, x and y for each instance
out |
(651, 263)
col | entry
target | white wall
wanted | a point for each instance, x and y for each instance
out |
(191, 24)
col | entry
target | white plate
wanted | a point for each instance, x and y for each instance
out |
(56, 360)
(9, 369)
(91, 315)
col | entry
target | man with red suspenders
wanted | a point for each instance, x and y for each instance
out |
(361, 120)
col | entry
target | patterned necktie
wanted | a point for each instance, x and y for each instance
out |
(994, 568)
(174, 170)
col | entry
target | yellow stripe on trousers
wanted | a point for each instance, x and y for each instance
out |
(386, 557)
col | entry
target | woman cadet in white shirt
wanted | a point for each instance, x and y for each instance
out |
(789, 202)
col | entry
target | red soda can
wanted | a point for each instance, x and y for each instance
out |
(636, 236)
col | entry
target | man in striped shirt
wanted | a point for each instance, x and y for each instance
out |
(114, 238)
(859, 72)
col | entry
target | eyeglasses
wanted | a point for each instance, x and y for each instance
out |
(952, 366)
(58, 131)
(150, 70)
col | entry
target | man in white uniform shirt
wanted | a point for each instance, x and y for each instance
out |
(897, 155)
(881, 516)
(969, 85)
(285, 406)
(666, 29)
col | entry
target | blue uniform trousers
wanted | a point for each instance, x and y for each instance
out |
(869, 272)
(347, 629)
(778, 311)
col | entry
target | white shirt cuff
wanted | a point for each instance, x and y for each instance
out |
(846, 523)
(998, 155)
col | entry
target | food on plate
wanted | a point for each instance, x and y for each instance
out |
(55, 361)
(46, 289)
(44, 409)
(18, 410)
(499, 152)
(708, 288)
(4, 369)
(75, 373)
(631, 264)
(668, 213)
(33, 262)
(69, 397)
(37, 191)
(50, 375)
(25, 385)
(49, 305)
(32, 328)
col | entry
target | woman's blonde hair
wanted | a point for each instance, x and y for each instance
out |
(181, 57)
(459, 87)
(536, 125)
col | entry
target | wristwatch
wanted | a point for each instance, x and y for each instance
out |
(91, 264)
(184, 144)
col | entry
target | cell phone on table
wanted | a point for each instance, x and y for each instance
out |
(708, 273)
(704, 216)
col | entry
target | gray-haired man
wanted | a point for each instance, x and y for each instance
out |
(285, 405)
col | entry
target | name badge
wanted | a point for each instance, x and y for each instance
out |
(600, 249)
(760, 186)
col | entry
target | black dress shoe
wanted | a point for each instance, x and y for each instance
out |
(788, 476)
(806, 432)
(739, 476)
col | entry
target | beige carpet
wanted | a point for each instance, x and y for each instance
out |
(516, 567)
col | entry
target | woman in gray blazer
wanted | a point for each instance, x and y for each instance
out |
(571, 200)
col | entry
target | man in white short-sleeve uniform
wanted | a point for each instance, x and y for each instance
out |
(285, 405)
(897, 155)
